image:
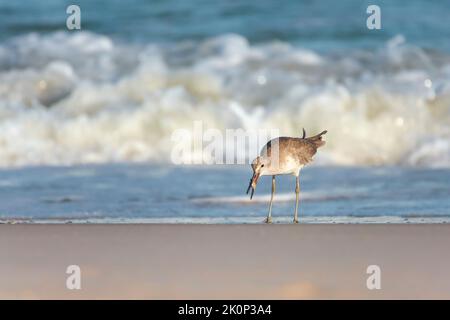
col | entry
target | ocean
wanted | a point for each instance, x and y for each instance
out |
(125, 193)
(87, 116)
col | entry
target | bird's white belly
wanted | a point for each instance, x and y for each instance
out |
(294, 171)
(290, 166)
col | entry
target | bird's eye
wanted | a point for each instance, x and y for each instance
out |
(262, 165)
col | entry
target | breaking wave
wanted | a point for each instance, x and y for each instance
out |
(84, 98)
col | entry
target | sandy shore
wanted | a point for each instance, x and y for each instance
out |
(225, 261)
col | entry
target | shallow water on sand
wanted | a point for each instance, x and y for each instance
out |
(216, 194)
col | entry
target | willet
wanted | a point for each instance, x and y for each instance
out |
(284, 155)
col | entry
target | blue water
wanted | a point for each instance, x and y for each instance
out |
(127, 193)
(86, 117)
(321, 25)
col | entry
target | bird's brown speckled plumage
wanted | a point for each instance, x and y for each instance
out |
(301, 149)
(298, 150)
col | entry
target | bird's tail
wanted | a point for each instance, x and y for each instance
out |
(317, 139)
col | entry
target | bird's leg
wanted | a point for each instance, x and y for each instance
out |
(269, 216)
(297, 192)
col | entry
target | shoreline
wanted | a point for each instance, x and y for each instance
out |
(280, 220)
(151, 261)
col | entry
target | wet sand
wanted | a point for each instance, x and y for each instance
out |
(157, 261)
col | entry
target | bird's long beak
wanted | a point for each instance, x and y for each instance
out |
(252, 184)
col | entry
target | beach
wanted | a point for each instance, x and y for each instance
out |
(159, 261)
(126, 146)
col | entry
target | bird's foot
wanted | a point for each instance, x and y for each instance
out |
(268, 220)
(295, 221)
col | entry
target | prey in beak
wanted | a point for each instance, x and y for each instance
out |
(257, 166)
(252, 184)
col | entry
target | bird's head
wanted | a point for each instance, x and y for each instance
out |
(258, 166)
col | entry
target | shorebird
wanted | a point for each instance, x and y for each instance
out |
(281, 156)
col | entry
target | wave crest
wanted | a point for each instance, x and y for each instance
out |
(77, 98)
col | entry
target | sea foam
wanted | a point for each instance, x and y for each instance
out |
(85, 98)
